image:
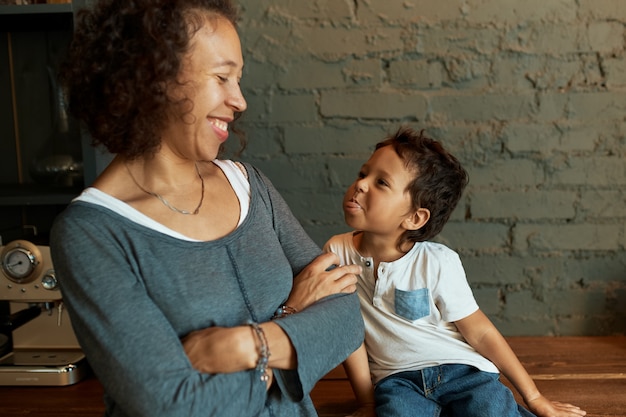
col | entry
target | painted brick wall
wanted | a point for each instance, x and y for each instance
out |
(530, 95)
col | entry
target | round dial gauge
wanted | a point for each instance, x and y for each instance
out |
(20, 261)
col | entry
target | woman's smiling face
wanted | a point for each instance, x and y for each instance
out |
(209, 79)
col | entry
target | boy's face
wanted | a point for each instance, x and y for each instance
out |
(378, 201)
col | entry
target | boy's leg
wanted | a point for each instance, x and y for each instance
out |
(470, 392)
(402, 395)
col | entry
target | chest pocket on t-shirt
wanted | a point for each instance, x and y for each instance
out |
(412, 305)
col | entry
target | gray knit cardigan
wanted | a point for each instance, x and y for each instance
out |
(132, 293)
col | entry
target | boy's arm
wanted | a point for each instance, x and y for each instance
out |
(358, 372)
(483, 336)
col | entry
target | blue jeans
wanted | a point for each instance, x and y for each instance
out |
(446, 390)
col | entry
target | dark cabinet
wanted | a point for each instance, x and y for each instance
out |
(44, 159)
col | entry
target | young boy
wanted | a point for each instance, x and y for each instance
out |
(431, 349)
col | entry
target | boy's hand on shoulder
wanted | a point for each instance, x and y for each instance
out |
(543, 407)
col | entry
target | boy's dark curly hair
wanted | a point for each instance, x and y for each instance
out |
(438, 182)
(123, 54)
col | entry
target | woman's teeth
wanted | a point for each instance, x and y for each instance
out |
(220, 124)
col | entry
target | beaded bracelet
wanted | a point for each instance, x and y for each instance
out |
(283, 311)
(264, 351)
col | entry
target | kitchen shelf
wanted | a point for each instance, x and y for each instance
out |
(40, 16)
(32, 38)
(35, 195)
(36, 9)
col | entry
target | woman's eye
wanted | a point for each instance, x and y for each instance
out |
(222, 79)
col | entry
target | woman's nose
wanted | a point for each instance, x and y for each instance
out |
(236, 100)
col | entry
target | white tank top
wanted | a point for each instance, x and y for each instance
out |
(235, 173)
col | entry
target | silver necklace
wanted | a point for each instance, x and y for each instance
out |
(167, 203)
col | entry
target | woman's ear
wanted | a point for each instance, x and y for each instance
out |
(417, 219)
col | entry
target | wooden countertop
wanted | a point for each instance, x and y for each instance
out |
(587, 371)
(83, 399)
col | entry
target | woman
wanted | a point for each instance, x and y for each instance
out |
(178, 268)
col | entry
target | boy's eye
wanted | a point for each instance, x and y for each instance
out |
(382, 182)
(361, 175)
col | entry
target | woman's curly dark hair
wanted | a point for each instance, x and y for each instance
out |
(123, 54)
(438, 182)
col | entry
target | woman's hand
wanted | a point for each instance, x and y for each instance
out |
(322, 278)
(221, 350)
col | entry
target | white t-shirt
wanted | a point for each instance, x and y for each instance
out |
(409, 311)
(237, 178)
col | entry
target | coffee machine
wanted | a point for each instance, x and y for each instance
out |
(37, 343)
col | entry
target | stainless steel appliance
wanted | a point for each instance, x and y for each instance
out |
(37, 343)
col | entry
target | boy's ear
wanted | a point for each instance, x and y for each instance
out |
(417, 219)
